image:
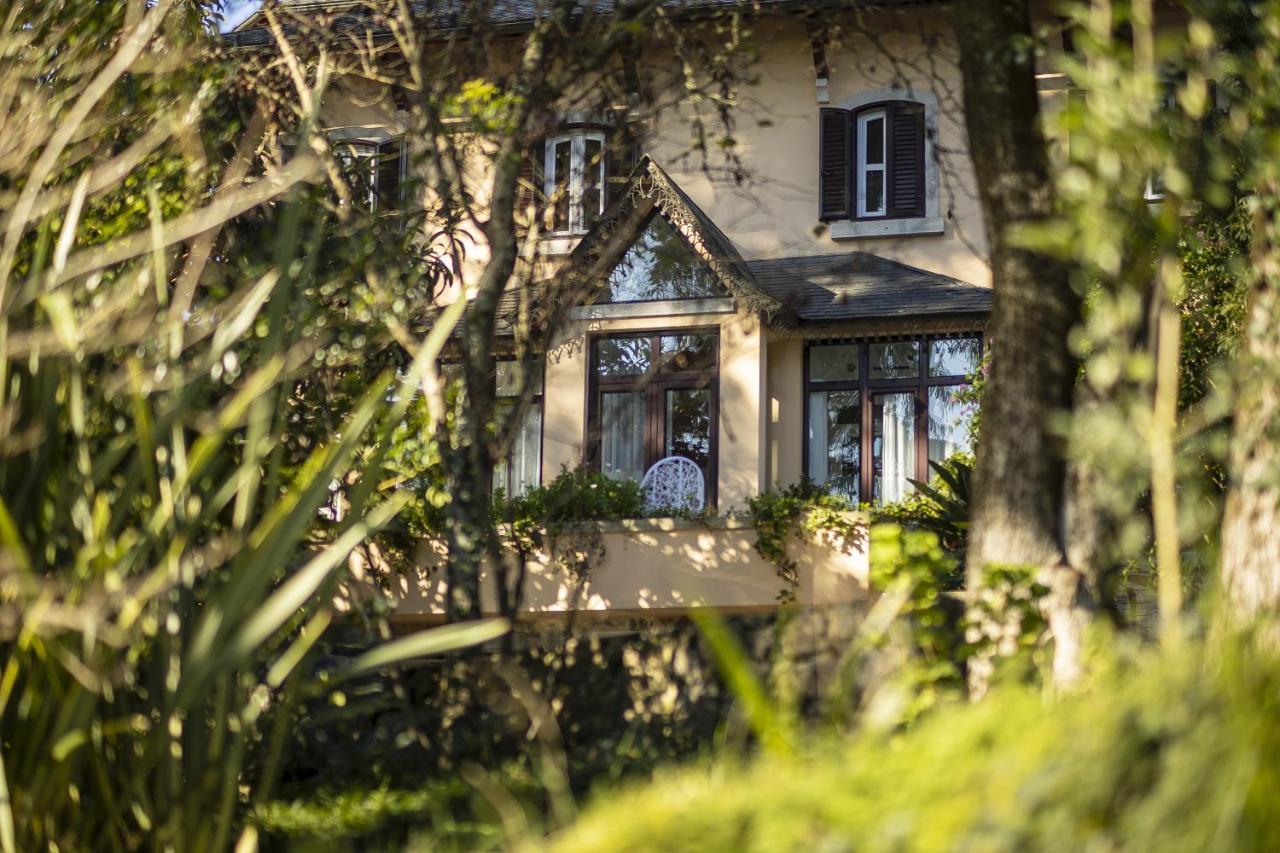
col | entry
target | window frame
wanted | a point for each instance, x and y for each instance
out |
(861, 119)
(837, 166)
(868, 389)
(606, 287)
(654, 384)
(445, 366)
(359, 153)
(539, 400)
(578, 221)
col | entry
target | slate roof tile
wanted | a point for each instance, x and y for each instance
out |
(859, 285)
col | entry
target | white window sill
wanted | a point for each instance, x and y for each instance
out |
(663, 308)
(861, 229)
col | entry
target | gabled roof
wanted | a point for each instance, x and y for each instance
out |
(651, 189)
(816, 294)
(824, 289)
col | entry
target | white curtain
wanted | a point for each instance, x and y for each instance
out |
(818, 436)
(898, 446)
(622, 435)
(526, 451)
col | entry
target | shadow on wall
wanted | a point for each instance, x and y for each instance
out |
(656, 567)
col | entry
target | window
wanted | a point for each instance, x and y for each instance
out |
(521, 468)
(872, 162)
(375, 172)
(660, 266)
(653, 395)
(574, 180)
(879, 411)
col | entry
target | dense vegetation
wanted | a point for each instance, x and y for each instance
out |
(221, 400)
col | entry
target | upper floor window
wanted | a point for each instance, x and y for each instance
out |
(375, 172)
(574, 175)
(872, 162)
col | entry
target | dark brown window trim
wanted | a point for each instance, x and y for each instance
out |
(654, 384)
(867, 388)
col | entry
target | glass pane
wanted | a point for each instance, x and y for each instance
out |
(688, 352)
(954, 356)
(875, 141)
(835, 447)
(893, 446)
(689, 426)
(949, 419)
(874, 182)
(592, 182)
(623, 356)
(622, 434)
(660, 265)
(833, 363)
(508, 379)
(560, 170)
(895, 360)
(526, 451)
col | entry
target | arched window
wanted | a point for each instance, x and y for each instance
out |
(876, 168)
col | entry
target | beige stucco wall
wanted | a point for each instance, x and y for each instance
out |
(784, 414)
(770, 210)
(772, 213)
(775, 212)
(659, 567)
(742, 465)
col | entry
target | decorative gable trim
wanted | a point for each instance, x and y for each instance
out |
(648, 189)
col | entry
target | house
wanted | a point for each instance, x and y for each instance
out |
(816, 322)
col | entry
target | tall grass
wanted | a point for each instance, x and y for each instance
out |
(162, 573)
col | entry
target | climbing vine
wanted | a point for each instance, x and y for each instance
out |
(805, 508)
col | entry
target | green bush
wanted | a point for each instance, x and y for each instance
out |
(575, 495)
(1170, 752)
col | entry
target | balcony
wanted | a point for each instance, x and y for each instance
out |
(652, 568)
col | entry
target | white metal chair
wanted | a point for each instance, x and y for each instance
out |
(674, 483)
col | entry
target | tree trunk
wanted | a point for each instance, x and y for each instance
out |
(1020, 481)
(1251, 521)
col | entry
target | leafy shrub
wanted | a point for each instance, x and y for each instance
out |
(1156, 753)
(575, 495)
(941, 506)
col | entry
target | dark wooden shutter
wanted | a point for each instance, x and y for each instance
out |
(906, 159)
(620, 159)
(834, 169)
(390, 174)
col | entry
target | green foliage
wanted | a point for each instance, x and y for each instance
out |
(1155, 753)
(804, 508)
(561, 712)
(361, 817)
(164, 569)
(911, 569)
(941, 506)
(576, 495)
(1214, 252)
(1000, 621)
(1004, 617)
